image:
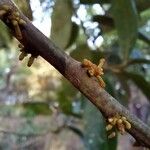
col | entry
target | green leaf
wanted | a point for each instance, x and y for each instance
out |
(138, 61)
(4, 35)
(106, 22)
(123, 93)
(81, 52)
(109, 85)
(143, 4)
(61, 23)
(65, 96)
(36, 108)
(74, 34)
(145, 16)
(27, 109)
(94, 132)
(126, 22)
(144, 34)
(25, 7)
(140, 81)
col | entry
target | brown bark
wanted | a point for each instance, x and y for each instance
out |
(36, 42)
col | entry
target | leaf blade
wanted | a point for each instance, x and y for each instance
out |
(140, 81)
(126, 22)
(61, 23)
(94, 133)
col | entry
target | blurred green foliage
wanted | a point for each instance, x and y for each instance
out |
(119, 31)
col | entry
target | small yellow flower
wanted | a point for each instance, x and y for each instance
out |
(14, 18)
(119, 122)
(94, 70)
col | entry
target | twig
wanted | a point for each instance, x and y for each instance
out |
(72, 70)
(121, 67)
(138, 61)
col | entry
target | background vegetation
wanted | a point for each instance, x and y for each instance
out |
(39, 109)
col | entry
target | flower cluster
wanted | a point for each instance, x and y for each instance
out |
(24, 53)
(119, 122)
(94, 70)
(12, 17)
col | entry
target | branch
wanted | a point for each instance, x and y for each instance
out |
(130, 62)
(34, 40)
(138, 61)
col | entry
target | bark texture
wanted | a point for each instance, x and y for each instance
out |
(37, 43)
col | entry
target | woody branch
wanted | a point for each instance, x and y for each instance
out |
(39, 44)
